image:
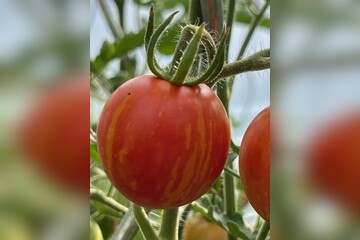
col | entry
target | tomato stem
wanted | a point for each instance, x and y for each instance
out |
(258, 61)
(263, 232)
(97, 195)
(144, 223)
(169, 224)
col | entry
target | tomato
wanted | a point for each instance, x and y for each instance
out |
(163, 145)
(199, 228)
(334, 160)
(254, 163)
(55, 133)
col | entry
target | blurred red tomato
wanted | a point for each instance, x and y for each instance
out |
(334, 160)
(254, 163)
(55, 133)
(163, 145)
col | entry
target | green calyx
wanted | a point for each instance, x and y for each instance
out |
(196, 60)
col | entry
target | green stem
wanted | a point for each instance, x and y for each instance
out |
(144, 223)
(253, 26)
(195, 12)
(231, 172)
(234, 147)
(115, 31)
(258, 61)
(97, 195)
(263, 232)
(229, 23)
(169, 224)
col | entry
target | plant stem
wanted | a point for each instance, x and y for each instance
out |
(195, 12)
(229, 22)
(253, 26)
(258, 61)
(144, 223)
(231, 172)
(169, 224)
(265, 227)
(105, 10)
(97, 195)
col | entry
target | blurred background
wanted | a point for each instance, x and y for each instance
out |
(315, 96)
(44, 109)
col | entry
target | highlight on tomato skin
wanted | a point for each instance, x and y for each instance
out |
(333, 161)
(254, 163)
(54, 133)
(163, 145)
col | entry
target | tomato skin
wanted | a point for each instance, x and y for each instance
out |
(163, 145)
(54, 135)
(334, 160)
(199, 228)
(254, 163)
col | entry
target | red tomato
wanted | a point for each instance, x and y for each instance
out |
(334, 160)
(254, 163)
(163, 145)
(199, 228)
(55, 135)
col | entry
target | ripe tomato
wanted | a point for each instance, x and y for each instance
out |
(55, 133)
(199, 228)
(163, 145)
(254, 163)
(334, 160)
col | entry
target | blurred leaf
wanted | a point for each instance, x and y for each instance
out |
(244, 16)
(94, 155)
(239, 230)
(110, 51)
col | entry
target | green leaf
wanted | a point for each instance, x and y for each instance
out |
(118, 49)
(94, 154)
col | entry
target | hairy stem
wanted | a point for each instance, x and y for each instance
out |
(258, 61)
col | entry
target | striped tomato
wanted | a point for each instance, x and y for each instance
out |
(163, 145)
(254, 163)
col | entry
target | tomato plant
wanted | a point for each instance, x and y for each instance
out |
(334, 160)
(254, 163)
(163, 145)
(199, 228)
(54, 135)
(163, 139)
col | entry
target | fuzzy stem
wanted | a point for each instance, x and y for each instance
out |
(169, 224)
(144, 223)
(258, 61)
